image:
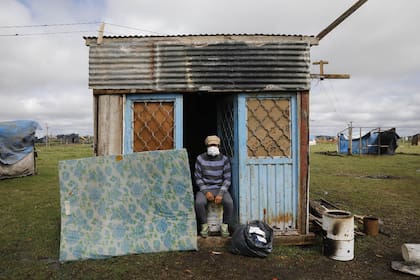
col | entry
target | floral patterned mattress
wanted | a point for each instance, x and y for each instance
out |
(126, 204)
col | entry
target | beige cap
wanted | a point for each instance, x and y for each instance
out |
(212, 140)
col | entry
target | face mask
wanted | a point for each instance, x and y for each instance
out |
(213, 151)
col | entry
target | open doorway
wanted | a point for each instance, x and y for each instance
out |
(202, 117)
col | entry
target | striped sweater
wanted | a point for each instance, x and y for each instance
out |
(212, 173)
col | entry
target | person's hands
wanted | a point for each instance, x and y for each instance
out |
(218, 199)
(209, 196)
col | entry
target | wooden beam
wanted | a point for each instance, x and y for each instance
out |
(217, 242)
(340, 19)
(100, 33)
(303, 211)
(322, 75)
(321, 65)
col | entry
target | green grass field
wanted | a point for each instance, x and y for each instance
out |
(384, 186)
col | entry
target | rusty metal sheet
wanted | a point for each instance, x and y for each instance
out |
(200, 64)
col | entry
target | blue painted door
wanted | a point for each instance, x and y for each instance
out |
(267, 159)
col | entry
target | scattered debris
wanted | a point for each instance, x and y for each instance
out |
(411, 256)
(381, 177)
(406, 267)
(216, 253)
(330, 153)
(318, 207)
(378, 176)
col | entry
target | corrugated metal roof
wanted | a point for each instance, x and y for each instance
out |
(200, 63)
(201, 35)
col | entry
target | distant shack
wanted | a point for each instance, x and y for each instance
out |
(374, 142)
(72, 138)
(415, 139)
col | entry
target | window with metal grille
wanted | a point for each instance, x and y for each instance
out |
(268, 124)
(153, 123)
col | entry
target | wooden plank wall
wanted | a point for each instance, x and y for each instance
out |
(303, 104)
(108, 124)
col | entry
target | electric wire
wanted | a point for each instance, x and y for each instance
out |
(49, 25)
(45, 33)
(134, 28)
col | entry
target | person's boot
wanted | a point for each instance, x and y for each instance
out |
(224, 231)
(204, 230)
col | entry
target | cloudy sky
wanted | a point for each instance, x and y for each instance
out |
(44, 60)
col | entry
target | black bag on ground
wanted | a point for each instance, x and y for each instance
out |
(254, 239)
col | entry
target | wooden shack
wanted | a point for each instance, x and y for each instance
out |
(168, 92)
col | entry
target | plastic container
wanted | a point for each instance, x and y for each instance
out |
(214, 216)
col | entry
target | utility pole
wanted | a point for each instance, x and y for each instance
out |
(350, 148)
(323, 76)
(46, 136)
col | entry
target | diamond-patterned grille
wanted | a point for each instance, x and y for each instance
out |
(268, 127)
(153, 123)
(226, 126)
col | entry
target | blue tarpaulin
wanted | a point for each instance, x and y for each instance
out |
(16, 140)
(374, 142)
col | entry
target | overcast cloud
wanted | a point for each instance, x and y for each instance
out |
(45, 77)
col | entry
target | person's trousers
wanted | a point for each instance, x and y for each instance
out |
(201, 207)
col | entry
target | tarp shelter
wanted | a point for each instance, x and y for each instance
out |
(17, 148)
(165, 92)
(118, 205)
(374, 142)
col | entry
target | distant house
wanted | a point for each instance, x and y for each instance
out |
(69, 138)
(312, 140)
(415, 139)
(325, 138)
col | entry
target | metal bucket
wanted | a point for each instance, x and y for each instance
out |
(371, 225)
(214, 216)
(338, 227)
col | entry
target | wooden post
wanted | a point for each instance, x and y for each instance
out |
(46, 136)
(350, 148)
(340, 19)
(100, 33)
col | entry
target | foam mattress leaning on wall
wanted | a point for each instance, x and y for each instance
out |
(118, 205)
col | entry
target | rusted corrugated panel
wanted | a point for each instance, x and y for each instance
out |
(197, 65)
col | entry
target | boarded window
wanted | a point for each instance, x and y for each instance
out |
(268, 123)
(153, 126)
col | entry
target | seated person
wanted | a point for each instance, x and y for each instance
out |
(213, 177)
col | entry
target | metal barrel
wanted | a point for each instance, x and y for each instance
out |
(338, 242)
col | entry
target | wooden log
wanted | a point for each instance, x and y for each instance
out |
(328, 204)
(316, 208)
(411, 252)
